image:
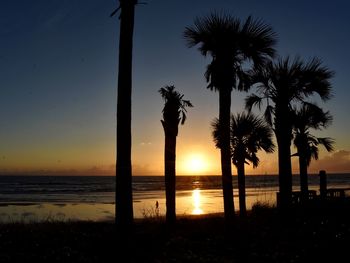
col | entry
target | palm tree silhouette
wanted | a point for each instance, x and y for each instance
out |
(230, 43)
(123, 196)
(249, 134)
(286, 83)
(309, 116)
(174, 112)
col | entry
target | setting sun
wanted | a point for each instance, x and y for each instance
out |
(195, 163)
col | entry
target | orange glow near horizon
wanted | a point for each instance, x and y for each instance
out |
(195, 164)
(147, 159)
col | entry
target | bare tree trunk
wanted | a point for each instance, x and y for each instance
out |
(124, 205)
(241, 188)
(170, 177)
(285, 173)
(224, 120)
(283, 132)
(304, 188)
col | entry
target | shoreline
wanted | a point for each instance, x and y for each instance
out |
(315, 233)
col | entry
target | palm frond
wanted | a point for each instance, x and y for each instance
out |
(311, 139)
(327, 142)
(253, 158)
(249, 134)
(245, 79)
(315, 78)
(269, 111)
(175, 106)
(258, 41)
(212, 32)
(311, 116)
(231, 43)
(216, 132)
(187, 103)
(253, 100)
(208, 76)
(313, 154)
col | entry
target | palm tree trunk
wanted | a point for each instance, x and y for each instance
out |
(123, 207)
(241, 188)
(225, 150)
(283, 132)
(170, 177)
(285, 172)
(304, 188)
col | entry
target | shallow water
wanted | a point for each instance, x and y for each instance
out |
(189, 202)
(30, 199)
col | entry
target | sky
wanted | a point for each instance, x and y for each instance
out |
(58, 82)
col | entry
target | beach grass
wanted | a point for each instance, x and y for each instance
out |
(306, 234)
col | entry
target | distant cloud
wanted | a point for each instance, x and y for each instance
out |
(143, 170)
(94, 170)
(145, 143)
(57, 15)
(337, 162)
(100, 170)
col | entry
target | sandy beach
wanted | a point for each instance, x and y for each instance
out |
(315, 233)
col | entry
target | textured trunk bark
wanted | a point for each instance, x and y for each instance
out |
(170, 177)
(224, 119)
(241, 188)
(123, 202)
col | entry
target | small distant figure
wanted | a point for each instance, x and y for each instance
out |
(157, 208)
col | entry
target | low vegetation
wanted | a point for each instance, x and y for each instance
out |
(310, 234)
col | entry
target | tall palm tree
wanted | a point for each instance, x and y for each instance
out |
(174, 112)
(231, 43)
(306, 118)
(249, 134)
(283, 84)
(123, 196)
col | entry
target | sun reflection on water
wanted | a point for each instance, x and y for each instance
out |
(196, 201)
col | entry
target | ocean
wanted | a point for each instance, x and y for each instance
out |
(35, 198)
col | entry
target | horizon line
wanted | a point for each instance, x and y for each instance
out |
(153, 175)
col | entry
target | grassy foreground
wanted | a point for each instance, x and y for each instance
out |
(306, 235)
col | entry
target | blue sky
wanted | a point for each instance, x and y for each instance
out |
(58, 79)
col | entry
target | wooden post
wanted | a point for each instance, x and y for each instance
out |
(323, 184)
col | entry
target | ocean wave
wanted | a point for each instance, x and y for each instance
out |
(102, 188)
